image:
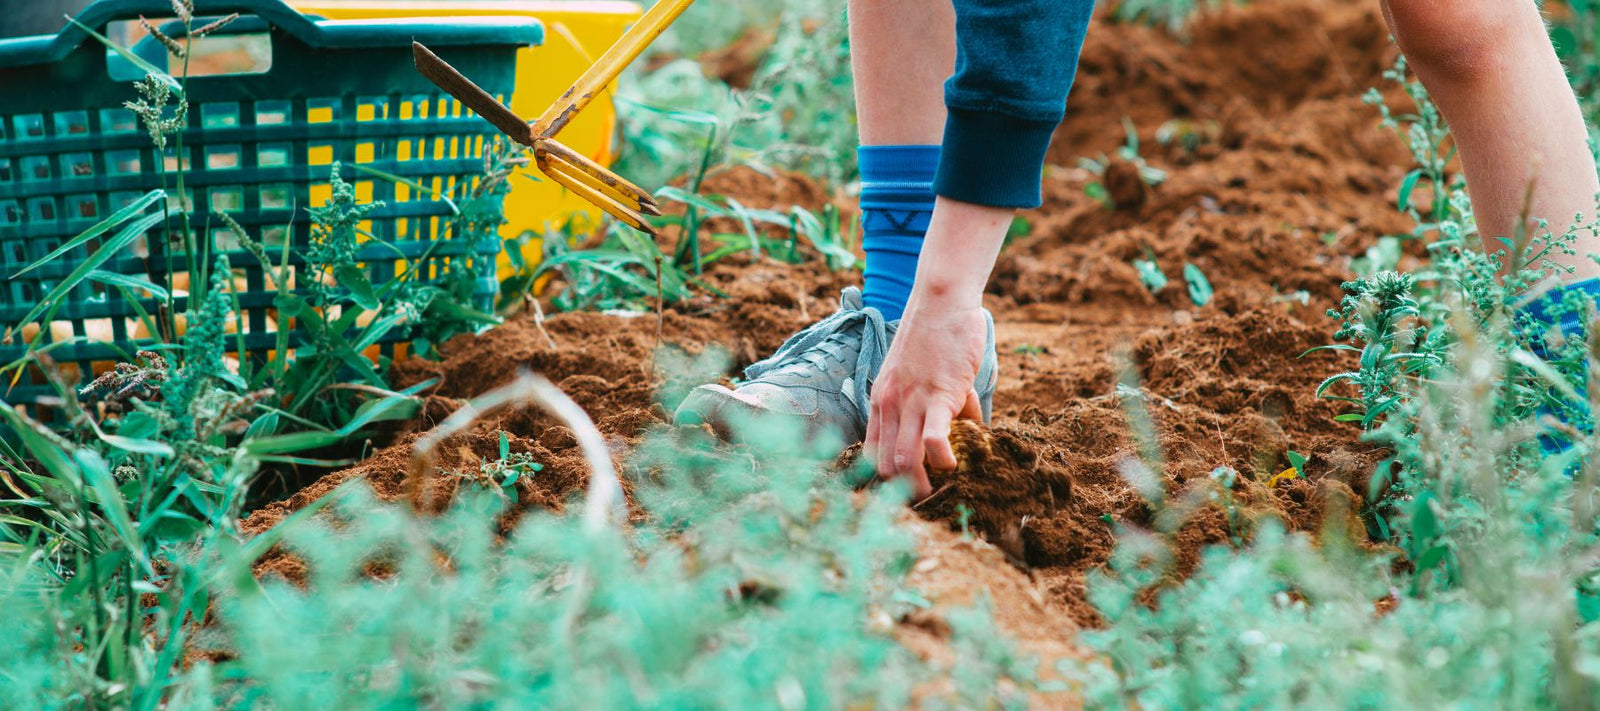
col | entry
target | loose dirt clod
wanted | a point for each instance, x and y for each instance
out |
(999, 487)
(1125, 185)
(1001, 481)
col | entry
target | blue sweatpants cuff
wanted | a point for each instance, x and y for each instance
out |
(896, 207)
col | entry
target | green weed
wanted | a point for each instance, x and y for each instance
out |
(1150, 273)
(1200, 291)
(501, 475)
(627, 271)
(149, 465)
(749, 578)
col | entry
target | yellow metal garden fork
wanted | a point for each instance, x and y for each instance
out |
(574, 171)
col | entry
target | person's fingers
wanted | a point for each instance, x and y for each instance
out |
(972, 409)
(936, 441)
(908, 453)
(870, 445)
(888, 417)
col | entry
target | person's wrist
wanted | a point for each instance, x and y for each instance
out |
(944, 296)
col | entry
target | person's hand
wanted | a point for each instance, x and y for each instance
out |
(926, 381)
(927, 378)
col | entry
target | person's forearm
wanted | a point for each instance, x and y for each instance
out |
(958, 254)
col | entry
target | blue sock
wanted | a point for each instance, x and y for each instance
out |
(896, 205)
(1563, 308)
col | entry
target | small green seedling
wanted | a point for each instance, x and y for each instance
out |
(1188, 134)
(1298, 461)
(505, 472)
(1200, 291)
(1150, 273)
(963, 517)
(1020, 227)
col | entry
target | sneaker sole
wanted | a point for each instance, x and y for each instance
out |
(713, 405)
(721, 409)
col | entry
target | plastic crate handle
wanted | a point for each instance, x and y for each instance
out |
(276, 12)
(317, 34)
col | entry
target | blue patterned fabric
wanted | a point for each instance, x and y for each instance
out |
(896, 206)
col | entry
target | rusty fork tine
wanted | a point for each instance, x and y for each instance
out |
(574, 180)
(610, 64)
(597, 176)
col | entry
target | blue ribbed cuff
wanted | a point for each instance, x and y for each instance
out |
(897, 164)
(993, 159)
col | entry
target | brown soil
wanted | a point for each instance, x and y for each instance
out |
(953, 573)
(736, 64)
(998, 488)
(1289, 176)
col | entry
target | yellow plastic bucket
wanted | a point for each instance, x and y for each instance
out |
(576, 33)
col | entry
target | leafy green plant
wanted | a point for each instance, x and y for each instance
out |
(150, 464)
(1432, 149)
(825, 233)
(93, 516)
(1378, 318)
(499, 476)
(627, 271)
(1403, 324)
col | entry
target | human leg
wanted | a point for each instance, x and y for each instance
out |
(1490, 67)
(901, 51)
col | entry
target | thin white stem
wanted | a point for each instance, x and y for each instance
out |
(604, 501)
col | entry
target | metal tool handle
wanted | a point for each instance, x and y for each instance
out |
(610, 64)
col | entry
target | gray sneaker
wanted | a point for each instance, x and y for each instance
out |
(821, 376)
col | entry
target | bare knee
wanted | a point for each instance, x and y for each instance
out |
(1462, 40)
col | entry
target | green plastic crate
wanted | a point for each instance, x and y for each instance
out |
(259, 147)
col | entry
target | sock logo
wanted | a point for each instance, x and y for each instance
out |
(877, 219)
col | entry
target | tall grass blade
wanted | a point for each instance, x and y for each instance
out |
(100, 228)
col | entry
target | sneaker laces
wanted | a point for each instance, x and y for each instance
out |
(851, 316)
